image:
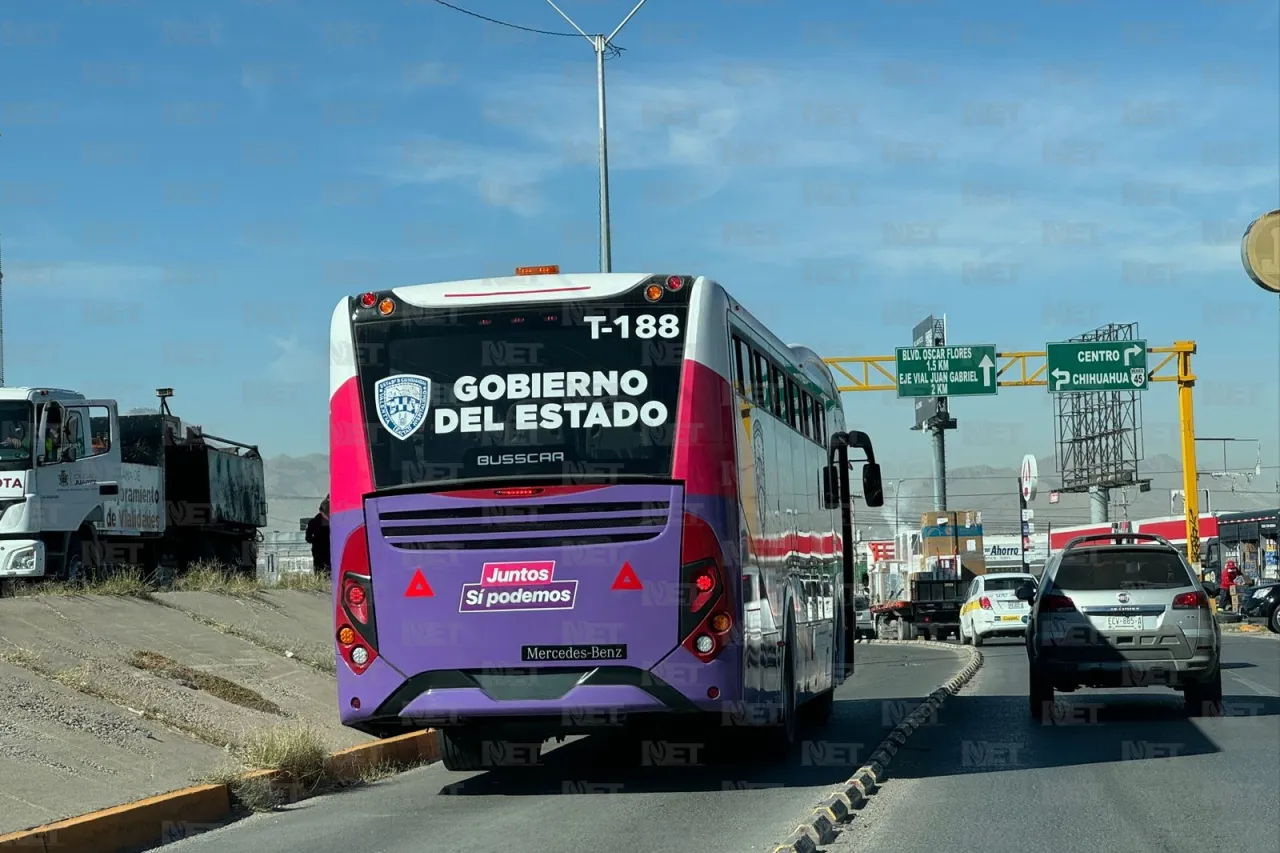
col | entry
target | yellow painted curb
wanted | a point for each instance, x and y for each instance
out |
(171, 816)
(132, 825)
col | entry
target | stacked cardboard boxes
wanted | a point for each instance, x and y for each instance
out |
(951, 544)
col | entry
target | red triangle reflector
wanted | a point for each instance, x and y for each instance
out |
(418, 587)
(627, 579)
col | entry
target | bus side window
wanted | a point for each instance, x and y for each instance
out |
(742, 363)
(760, 380)
(793, 410)
(820, 421)
(777, 391)
(806, 413)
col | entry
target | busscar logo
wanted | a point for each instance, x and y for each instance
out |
(518, 459)
(402, 403)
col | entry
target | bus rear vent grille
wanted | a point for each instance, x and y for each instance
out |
(530, 525)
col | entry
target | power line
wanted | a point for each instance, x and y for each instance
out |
(614, 50)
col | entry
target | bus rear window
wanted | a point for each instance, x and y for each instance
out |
(573, 390)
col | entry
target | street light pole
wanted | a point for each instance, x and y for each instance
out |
(600, 43)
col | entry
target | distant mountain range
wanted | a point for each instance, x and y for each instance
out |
(296, 485)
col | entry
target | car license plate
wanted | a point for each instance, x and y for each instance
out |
(1009, 618)
(1121, 623)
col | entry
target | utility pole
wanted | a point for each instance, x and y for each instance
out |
(1, 319)
(599, 44)
(937, 427)
(1022, 527)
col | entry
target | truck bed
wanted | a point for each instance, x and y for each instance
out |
(203, 484)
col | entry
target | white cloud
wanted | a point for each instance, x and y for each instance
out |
(1076, 153)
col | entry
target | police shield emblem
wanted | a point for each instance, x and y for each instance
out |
(1137, 375)
(402, 402)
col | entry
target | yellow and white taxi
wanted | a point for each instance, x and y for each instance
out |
(992, 610)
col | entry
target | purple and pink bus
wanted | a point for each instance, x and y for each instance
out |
(566, 501)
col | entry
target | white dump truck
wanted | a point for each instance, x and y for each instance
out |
(84, 488)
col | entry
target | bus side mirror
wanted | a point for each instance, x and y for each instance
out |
(872, 488)
(830, 497)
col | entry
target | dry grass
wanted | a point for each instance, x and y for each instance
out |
(79, 680)
(133, 582)
(298, 760)
(194, 679)
(212, 577)
(128, 582)
(297, 757)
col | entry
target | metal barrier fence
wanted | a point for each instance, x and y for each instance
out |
(283, 553)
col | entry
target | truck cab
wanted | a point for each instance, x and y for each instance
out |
(59, 457)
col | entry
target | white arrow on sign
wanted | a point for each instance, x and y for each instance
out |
(1131, 351)
(986, 364)
(1060, 378)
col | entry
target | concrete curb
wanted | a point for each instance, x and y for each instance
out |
(1261, 631)
(819, 828)
(177, 814)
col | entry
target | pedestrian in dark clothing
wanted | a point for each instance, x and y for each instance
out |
(318, 538)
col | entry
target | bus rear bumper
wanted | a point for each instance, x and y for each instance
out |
(562, 700)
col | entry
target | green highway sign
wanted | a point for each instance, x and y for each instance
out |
(1071, 368)
(946, 371)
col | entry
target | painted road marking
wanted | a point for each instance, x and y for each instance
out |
(1260, 689)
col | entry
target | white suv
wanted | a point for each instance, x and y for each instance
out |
(1122, 610)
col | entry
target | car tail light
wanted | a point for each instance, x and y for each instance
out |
(1057, 604)
(984, 603)
(1191, 601)
(705, 604)
(357, 628)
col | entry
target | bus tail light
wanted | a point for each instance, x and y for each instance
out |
(357, 628)
(706, 604)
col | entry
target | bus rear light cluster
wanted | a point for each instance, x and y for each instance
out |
(357, 629)
(705, 620)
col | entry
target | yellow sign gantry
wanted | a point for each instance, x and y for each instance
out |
(1027, 369)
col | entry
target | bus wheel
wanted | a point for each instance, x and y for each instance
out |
(469, 751)
(818, 710)
(460, 751)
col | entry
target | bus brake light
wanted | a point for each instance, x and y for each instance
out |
(549, 269)
(355, 607)
(702, 572)
(368, 299)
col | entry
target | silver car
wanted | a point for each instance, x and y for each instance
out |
(866, 626)
(1122, 610)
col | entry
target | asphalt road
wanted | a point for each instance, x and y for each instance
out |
(589, 795)
(1123, 770)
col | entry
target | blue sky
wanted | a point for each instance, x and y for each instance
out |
(187, 188)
